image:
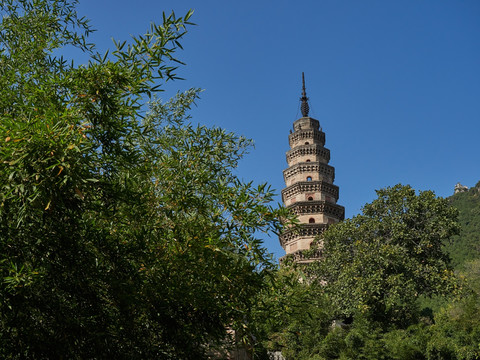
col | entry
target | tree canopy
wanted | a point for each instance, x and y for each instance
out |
(379, 263)
(362, 300)
(121, 235)
(466, 246)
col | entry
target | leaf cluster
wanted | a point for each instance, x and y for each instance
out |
(121, 235)
(380, 262)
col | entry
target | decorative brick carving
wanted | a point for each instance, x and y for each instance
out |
(308, 187)
(312, 149)
(310, 230)
(317, 136)
(309, 167)
(318, 207)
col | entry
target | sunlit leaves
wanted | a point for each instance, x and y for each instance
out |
(378, 263)
(130, 234)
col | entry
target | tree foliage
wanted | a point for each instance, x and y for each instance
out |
(294, 316)
(381, 261)
(361, 300)
(456, 332)
(121, 236)
(466, 246)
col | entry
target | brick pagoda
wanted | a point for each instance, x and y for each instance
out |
(310, 192)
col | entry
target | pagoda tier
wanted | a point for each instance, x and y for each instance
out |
(309, 171)
(296, 138)
(309, 193)
(305, 231)
(313, 151)
(300, 190)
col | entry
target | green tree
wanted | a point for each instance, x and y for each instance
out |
(378, 263)
(466, 246)
(361, 300)
(121, 236)
(456, 332)
(294, 315)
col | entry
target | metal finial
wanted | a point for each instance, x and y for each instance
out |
(304, 99)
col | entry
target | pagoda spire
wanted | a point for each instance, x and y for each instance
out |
(304, 99)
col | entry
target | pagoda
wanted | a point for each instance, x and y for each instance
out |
(309, 193)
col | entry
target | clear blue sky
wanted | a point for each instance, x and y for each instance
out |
(395, 84)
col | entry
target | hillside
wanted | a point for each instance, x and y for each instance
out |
(466, 246)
